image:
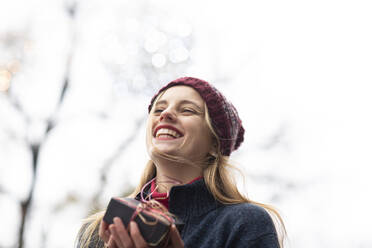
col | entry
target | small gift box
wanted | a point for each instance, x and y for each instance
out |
(153, 224)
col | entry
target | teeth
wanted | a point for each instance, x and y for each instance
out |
(166, 131)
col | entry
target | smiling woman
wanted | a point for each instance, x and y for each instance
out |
(179, 111)
(191, 131)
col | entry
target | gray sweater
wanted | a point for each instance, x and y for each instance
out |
(210, 224)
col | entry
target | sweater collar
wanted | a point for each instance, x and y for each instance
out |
(189, 200)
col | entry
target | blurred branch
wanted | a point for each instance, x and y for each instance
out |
(71, 11)
(35, 147)
(71, 8)
(69, 199)
(281, 185)
(111, 160)
(279, 137)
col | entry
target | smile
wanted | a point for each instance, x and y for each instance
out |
(167, 132)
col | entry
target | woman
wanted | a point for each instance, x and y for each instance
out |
(192, 130)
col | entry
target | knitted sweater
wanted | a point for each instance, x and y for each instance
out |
(210, 224)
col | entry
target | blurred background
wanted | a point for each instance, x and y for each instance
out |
(76, 77)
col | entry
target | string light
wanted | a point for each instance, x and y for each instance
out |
(13, 66)
(5, 77)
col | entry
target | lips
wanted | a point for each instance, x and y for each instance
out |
(167, 131)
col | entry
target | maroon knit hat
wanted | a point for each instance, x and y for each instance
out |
(225, 118)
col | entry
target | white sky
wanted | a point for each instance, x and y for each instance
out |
(302, 67)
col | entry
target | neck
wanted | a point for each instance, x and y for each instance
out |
(169, 174)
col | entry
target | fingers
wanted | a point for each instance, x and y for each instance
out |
(111, 243)
(120, 233)
(135, 233)
(104, 232)
(117, 236)
(175, 238)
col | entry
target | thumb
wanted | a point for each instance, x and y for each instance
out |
(175, 238)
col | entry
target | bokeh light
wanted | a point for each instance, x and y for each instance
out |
(5, 78)
(178, 52)
(154, 40)
(159, 60)
(184, 29)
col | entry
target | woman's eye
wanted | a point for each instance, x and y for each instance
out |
(158, 111)
(186, 110)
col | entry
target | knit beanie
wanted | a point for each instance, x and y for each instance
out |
(225, 118)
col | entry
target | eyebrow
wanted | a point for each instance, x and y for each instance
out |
(181, 102)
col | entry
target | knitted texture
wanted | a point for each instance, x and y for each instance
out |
(225, 118)
(211, 224)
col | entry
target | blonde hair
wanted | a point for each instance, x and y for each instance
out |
(218, 179)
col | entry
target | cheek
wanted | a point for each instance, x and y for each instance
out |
(149, 128)
(207, 136)
(150, 124)
(202, 136)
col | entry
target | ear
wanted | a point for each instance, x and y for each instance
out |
(213, 152)
(211, 158)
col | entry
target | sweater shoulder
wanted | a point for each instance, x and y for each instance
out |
(249, 225)
(248, 215)
(245, 210)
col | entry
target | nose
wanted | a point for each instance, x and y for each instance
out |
(167, 115)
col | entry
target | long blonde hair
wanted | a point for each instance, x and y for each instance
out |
(218, 179)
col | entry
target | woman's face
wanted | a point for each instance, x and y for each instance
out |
(177, 125)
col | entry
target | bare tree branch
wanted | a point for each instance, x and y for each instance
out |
(35, 148)
(111, 160)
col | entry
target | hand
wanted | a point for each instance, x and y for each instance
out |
(117, 236)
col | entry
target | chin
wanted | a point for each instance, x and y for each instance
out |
(164, 149)
(167, 145)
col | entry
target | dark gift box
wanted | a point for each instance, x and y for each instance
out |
(153, 226)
